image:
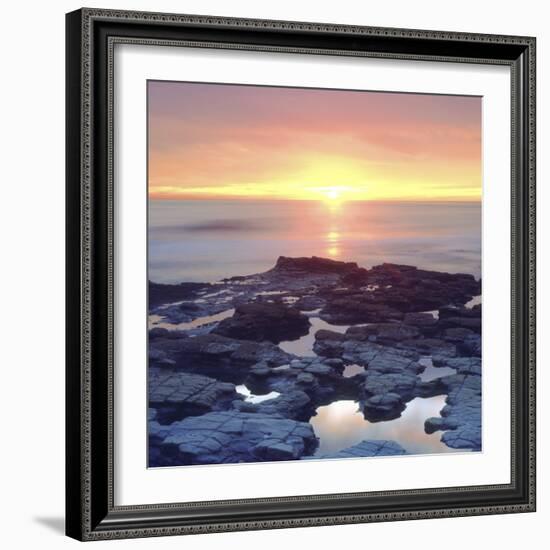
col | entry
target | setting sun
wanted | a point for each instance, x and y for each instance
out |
(333, 194)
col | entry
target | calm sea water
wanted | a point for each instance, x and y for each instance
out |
(209, 240)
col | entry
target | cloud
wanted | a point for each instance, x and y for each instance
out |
(228, 226)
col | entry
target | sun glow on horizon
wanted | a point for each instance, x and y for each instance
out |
(333, 194)
(349, 185)
(220, 142)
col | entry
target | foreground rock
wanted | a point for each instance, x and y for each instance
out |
(164, 294)
(369, 448)
(229, 437)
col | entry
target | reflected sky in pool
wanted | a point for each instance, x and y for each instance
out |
(253, 398)
(156, 321)
(341, 425)
(304, 346)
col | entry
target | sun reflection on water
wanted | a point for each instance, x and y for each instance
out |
(333, 239)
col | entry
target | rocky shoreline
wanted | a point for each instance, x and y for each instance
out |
(208, 341)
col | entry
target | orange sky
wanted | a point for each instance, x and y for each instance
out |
(211, 141)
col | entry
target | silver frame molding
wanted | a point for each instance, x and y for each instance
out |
(92, 35)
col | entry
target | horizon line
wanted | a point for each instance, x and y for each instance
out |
(272, 199)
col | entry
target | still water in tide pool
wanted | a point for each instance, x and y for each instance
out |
(341, 425)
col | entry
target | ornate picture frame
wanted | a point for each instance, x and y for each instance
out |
(91, 509)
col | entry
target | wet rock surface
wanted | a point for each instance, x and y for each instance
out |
(388, 321)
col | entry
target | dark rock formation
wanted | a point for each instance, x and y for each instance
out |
(309, 303)
(329, 343)
(383, 406)
(457, 335)
(438, 349)
(425, 322)
(465, 365)
(164, 294)
(314, 265)
(259, 321)
(460, 317)
(470, 346)
(357, 308)
(158, 332)
(388, 291)
(224, 358)
(383, 333)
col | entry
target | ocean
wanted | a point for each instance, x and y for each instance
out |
(205, 241)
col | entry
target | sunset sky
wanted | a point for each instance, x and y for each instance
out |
(213, 141)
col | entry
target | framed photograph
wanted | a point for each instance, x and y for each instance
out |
(300, 274)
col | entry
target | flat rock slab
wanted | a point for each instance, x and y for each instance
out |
(229, 437)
